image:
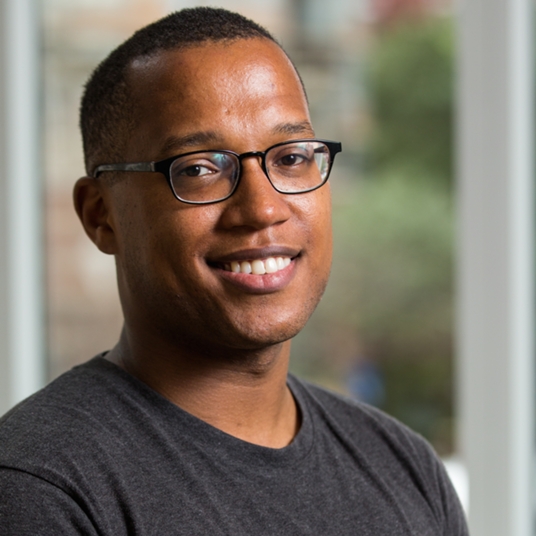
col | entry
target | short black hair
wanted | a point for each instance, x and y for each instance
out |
(106, 111)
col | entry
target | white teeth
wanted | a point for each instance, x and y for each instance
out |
(270, 265)
(245, 267)
(258, 266)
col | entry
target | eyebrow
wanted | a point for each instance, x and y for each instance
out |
(178, 143)
(303, 127)
(174, 144)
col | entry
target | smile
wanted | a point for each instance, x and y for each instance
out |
(271, 265)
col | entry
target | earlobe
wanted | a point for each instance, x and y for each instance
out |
(93, 210)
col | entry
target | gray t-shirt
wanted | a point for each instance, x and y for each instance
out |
(98, 452)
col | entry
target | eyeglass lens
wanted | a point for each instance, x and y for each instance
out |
(212, 175)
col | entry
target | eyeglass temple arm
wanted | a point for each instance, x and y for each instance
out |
(335, 147)
(137, 166)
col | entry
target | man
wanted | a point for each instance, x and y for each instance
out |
(206, 183)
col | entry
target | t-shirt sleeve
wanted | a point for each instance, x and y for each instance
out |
(31, 506)
(437, 486)
(455, 522)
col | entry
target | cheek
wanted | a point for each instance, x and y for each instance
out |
(141, 228)
(165, 245)
(317, 210)
(149, 217)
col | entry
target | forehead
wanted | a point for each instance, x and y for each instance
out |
(243, 86)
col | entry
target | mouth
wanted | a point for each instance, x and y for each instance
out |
(261, 270)
(271, 265)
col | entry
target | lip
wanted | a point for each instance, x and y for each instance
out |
(258, 284)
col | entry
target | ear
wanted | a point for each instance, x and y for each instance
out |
(92, 206)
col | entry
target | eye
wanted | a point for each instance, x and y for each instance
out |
(291, 159)
(203, 165)
(196, 170)
(292, 156)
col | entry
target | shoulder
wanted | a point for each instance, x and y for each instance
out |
(359, 420)
(384, 447)
(71, 414)
(79, 442)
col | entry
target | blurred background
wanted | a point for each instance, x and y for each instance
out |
(432, 101)
(379, 79)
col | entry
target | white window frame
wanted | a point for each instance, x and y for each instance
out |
(495, 312)
(22, 348)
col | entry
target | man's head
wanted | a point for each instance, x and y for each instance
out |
(177, 263)
(107, 112)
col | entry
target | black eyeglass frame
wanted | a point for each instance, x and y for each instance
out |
(164, 167)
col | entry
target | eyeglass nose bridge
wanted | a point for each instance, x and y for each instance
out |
(249, 154)
(257, 154)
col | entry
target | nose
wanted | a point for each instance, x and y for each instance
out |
(255, 204)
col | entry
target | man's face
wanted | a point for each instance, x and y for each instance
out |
(174, 259)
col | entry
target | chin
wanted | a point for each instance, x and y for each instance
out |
(259, 335)
(266, 325)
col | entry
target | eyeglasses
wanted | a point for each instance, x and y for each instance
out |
(202, 177)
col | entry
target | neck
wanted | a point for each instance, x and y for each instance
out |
(242, 393)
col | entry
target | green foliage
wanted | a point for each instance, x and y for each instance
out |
(394, 253)
(394, 243)
(411, 87)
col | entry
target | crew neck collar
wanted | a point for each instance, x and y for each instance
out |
(175, 420)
